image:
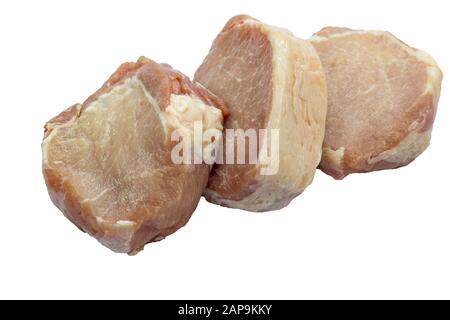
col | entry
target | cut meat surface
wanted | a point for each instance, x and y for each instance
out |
(268, 79)
(107, 162)
(382, 100)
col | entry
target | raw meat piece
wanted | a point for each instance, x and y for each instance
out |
(269, 79)
(382, 100)
(107, 162)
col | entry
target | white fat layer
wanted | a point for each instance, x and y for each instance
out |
(125, 223)
(52, 133)
(335, 155)
(117, 224)
(318, 38)
(184, 111)
(407, 150)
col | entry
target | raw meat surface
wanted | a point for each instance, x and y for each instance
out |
(269, 79)
(107, 162)
(382, 100)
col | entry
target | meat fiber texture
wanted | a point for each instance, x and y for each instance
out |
(107, 162)
(269, 79)
(382, 100)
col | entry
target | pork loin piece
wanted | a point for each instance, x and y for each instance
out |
(107, 162)
(382, 100)
(269, 79)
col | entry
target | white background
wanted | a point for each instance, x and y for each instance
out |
(378, 235)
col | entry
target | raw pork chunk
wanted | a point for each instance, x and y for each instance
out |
(107, 162)
(269, 79)
(382, 100)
